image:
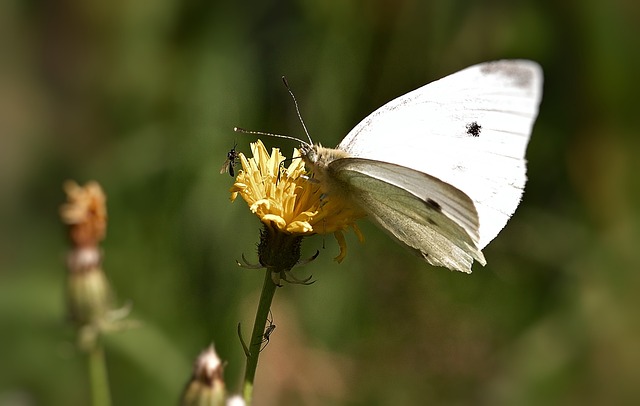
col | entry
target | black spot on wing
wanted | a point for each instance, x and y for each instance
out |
(433, 204)
(473, 129)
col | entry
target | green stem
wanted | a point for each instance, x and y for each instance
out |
(98, 375)
(279, 252)
(266, 297)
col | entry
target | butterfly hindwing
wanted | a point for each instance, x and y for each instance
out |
(435, 220)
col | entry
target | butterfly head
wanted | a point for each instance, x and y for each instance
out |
(316, 156)
(309, 154)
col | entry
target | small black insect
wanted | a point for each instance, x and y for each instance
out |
(268, 331)
(473, 129)
(230, 162)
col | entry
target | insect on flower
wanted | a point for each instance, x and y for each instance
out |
(230, 162)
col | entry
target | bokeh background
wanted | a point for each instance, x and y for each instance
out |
(142, 96)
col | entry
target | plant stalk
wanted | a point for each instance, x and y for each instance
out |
(100, 395)
(266, 297)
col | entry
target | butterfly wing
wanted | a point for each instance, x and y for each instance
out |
(469, 129)
(434, 219)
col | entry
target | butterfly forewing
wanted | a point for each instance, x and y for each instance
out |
(469, 130)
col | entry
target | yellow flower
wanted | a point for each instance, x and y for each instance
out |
(288, 201)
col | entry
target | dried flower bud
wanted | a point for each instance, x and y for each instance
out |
(85, 213)
(206, 387)
(88, 291)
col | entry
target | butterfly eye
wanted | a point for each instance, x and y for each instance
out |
(309, 153)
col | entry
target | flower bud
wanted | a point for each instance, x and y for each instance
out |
(88, 291)
(206, 387)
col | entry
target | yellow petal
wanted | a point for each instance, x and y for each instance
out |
(286, 199)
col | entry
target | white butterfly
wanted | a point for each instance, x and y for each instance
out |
(442, 168)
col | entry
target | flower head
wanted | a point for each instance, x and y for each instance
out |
(286, 200)
(85, 213)
(89, 295)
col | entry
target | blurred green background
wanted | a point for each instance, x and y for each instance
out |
(142, 96)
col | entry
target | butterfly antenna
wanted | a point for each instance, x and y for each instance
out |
(295, 102)
(242, 130)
